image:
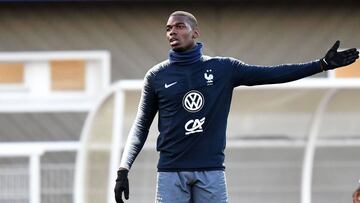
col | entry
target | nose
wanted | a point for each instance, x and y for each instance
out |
(172, 31)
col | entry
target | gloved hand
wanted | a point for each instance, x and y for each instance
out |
(122, 185)
(334, 59)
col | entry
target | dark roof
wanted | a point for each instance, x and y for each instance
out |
(20, 127)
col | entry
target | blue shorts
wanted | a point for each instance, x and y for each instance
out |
(191, 187)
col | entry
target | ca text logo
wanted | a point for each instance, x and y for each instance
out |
(194, 126)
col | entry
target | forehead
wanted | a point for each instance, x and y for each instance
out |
(173, 20)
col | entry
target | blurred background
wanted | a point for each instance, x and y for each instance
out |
(70, 80)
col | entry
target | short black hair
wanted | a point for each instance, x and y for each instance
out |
(191, 18)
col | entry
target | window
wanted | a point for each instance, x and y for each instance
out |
(68, 75)
(352, 71)
(11, 73)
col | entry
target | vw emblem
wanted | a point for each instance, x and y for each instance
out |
(193, 101)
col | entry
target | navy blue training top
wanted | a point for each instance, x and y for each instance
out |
(192, 93)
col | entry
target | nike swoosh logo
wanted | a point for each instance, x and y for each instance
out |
(169, 85)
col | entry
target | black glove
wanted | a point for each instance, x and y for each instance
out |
(122, 185)
(334, 59)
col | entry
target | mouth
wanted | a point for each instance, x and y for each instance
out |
(174, 41)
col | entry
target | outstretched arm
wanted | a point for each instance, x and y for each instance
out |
(250, 75)
(245, 74)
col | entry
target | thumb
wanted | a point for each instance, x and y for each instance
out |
(335, 46)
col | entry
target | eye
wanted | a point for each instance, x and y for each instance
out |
(181, 26)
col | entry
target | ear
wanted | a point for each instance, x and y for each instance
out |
(196, 33)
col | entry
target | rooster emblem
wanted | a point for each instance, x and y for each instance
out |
(209, 77)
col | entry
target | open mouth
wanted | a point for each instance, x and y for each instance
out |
(174, 41)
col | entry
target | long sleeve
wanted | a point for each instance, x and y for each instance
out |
(147, 109)
(249, 75)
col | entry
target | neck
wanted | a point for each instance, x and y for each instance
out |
(188, 48)
(187, 57)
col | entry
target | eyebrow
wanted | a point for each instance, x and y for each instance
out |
(175, 24)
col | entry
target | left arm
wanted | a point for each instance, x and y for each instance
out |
(249, 75)
(244, 74)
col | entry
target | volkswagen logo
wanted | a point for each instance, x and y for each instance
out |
(193, 101)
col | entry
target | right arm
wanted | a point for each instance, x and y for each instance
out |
(147, 109)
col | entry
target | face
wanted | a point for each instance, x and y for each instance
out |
(179, 33)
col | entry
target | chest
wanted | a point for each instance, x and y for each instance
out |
(174, 87)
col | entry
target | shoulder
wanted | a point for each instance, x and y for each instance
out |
(225, 60)
(232, 60)
(156, 69)
(207, 58)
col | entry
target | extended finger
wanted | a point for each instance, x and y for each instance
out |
(356, 53)
(336, 45)
(118, 197)
(350, 54)
(353, 56)
(349, 62)
(348, 59)
(349, 51)
(126, 193)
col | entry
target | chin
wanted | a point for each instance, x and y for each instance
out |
(177, 48)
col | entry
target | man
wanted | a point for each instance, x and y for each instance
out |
(192, 93)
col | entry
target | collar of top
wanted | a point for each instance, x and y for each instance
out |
(186, 57)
